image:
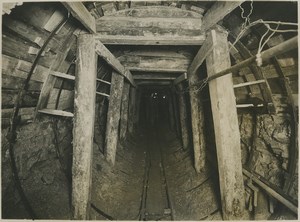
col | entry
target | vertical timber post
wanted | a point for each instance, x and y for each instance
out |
(132, 101)
(83, 131)
(226, 129)
(171, 112)
(183, 117)
(138, 106)
(113, 117)
(124, 110)
(175, 110)
(197, 121)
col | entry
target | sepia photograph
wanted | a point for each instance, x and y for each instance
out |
(163, 110)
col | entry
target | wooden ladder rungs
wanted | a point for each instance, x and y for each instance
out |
(102, 94)
(249, 83)
(62, 75)
(56, 112)
(100, 80)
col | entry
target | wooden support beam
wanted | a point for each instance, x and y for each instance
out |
(160, 76)
(197, 111)
(124, 110)
(154, 62)
(152, 40)
(151, 26)
(226, 129)
(132, 102)
(198, 127)
(154, 82)
(83, 131)
(180, 78)
(60, 66)
(176, 112)
(217, 12)
(79, 11)
(104, 53)
(171, 112)
(249, 83)
(138, 107)
(183, 117)
(56, 112)
(113, 117)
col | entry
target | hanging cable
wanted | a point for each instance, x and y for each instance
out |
(11, 134)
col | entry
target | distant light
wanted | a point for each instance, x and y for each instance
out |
(164, 97)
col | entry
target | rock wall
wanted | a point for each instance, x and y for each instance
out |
(43, 156)
(266, 142)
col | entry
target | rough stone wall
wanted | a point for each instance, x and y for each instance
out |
(41, 172)
(266, 142)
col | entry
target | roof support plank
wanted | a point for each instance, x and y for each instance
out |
(217, 12)
(79, 11)
(104, 53)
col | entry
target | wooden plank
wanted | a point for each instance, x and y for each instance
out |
(83, 131)
(176, 112)
(182, 103)
(153, 82)
(217, 12)
(162, 76)
(265, 89)
(249, 83)
(171, 112)
(198, 127)
(30, 33)
(201, 55)
(131, 114)
(180, 78)
(113, 117)
(102, 94)
(152, 40)
(157, 11)
(197, 110)
(56, 112)
(104, 53)
(124, 111)
(58, 65)
(62, 75)
(155, 63)
(79, 11)
(12, 46)
(152, 26)
(101, 80)
(226, 129)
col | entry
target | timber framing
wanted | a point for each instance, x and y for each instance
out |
(104, 53)
(83, 130)
(79, 11)
(226, 129)
(217, 12)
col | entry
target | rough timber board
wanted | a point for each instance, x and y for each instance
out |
(113, 117)
(103, 52)
(226, 129)
(79, 11)
(84, 115)
(151, 26)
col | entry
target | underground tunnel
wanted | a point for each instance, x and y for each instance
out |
(150, 110)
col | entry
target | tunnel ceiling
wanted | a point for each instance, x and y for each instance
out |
(157, 41)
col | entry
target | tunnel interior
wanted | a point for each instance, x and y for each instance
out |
(142, 134)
